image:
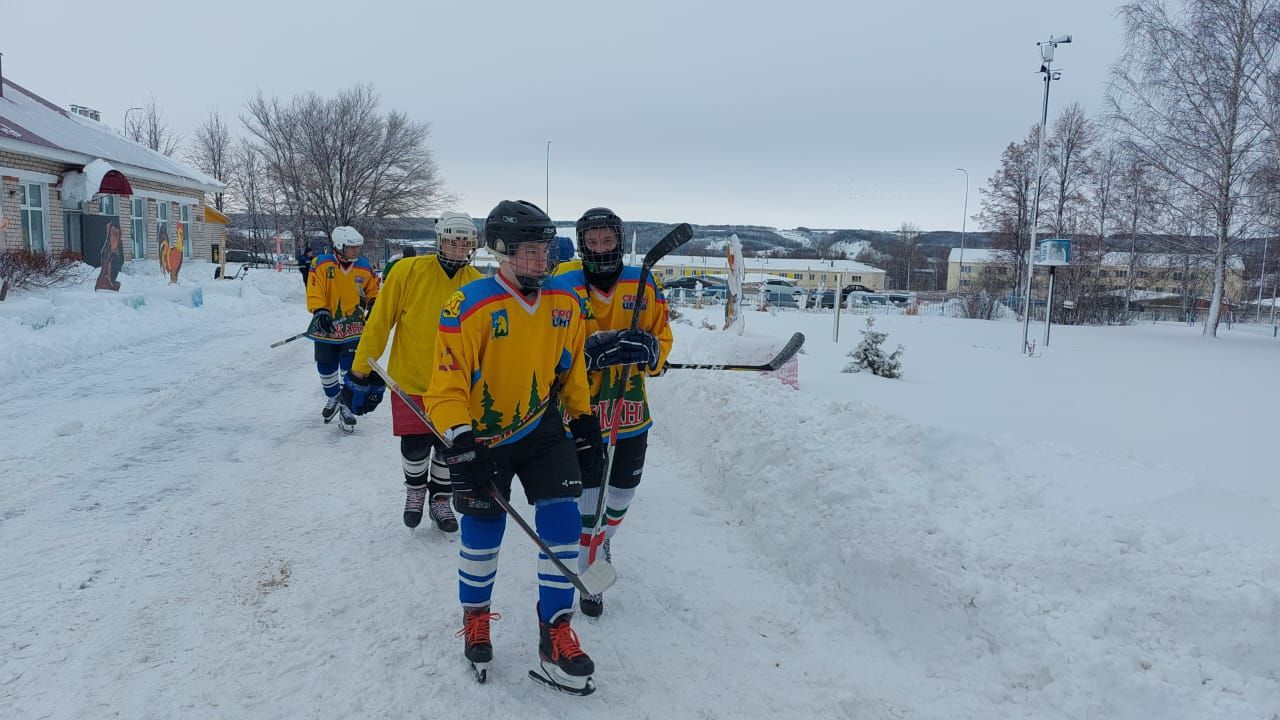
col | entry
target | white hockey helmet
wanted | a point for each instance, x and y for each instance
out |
(456, 227)
(346, 236)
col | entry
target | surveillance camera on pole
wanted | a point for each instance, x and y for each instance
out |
(1046, 54)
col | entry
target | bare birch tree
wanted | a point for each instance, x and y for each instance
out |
(1184, 94)
(342, 161)
(211, 151)
(151, 129)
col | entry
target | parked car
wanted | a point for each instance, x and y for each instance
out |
(902, 298)
(825, 299)
(870, 298)
(248, 257)
(783, 298)
(856, 287)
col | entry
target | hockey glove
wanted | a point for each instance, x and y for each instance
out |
(472, 473)
(601, 350)
(637, 347)
(362, 395)
(593, 454)
(322, 321)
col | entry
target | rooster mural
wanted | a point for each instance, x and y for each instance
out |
(171, 255)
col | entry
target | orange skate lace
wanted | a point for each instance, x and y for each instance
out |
(476, 626)
(564, 642)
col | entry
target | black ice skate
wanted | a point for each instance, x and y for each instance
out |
(346, 419)
(476, 645)
(415, 496)
(442, 513)
(330, 409)
(564, 666)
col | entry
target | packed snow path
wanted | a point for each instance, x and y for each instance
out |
(182, 536)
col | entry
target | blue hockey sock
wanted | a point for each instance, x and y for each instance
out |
(558, 524)
(478, 558)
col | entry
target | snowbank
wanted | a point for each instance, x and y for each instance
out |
(44, 329)
(1003, 595)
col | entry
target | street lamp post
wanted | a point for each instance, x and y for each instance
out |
(1262, 277)
(963, 227)
(1046, 56)
(126, 119)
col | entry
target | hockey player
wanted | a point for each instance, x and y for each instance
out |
(410, 301)
(340, 293)
(510, 366)
(610, 291)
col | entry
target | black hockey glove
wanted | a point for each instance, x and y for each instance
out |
(322, 321)
(593, 454)
(472, 473)
(362, 395)
(637, 347)
(601, 350)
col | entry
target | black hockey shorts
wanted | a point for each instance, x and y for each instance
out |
(628, 463)
(545, 460)
(333, 353)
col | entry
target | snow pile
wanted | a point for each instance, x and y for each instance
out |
(996, 589)
(52, 327)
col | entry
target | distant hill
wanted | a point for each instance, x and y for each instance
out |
(711, 239)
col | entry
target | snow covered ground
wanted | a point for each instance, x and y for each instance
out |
(1087, 534)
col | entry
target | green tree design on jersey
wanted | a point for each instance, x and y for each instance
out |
(491, 419)
(534, 400)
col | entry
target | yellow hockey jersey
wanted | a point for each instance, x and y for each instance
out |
(410, 300)
(346, 293)
(612, 311)
(498, 357)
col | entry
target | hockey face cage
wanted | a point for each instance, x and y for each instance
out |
(455, 247)
(608, 260)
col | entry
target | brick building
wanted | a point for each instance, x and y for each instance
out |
(59, 167)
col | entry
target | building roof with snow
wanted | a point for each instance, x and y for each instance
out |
(1169, 261)
(31, 125)
(770, 263)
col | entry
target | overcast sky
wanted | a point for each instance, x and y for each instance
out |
(824, 114)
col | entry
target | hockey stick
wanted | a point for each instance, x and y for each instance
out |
(678, 236)
(594, 581)
(302, 334)
(788, 351)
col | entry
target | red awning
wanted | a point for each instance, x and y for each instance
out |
(115, 183)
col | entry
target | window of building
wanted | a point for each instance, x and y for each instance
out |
(856, 278)
(138, 218)
(32, 205)
(964, 283)
(823, 278)
(188, 242)
(107, 205)
(162, 221)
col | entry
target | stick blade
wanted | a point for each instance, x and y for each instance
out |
(597, 578)
(678, 236)
(788, 351)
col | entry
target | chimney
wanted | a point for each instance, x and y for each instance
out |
(88, 112)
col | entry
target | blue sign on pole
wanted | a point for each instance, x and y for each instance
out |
(1054, 252)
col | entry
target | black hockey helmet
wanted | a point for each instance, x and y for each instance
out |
(600, 262)
(512, 222)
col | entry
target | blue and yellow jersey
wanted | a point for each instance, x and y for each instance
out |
(346, 293)
(498, 357)
(612, 311)
(410, 300)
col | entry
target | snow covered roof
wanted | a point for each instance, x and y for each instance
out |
(776, 264)
(31, 125)
(980, 255)
(1172, 261)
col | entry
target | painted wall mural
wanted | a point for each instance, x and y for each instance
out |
(171, 255)
(103, 248)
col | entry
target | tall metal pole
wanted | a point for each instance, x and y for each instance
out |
(1262, 278)
(963, 227)
(1046, 54)
(547, 202)
(1048, 307)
